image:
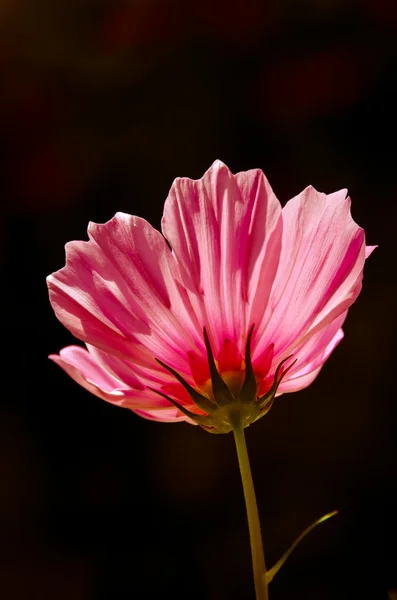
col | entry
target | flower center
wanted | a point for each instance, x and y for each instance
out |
(229, 396)
(233, 379)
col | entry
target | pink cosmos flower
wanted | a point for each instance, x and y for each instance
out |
(245, 302)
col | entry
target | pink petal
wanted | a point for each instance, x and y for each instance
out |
(128, 371)
(81, 366)
(320, 271)
(304, 377)
(166, 415)
(135, 376)
(225, 232)
(120, 292)
(313, 346)
(369, 250)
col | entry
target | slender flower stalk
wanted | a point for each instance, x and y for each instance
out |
(258, 559)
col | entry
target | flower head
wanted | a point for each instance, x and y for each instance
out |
(245, 302)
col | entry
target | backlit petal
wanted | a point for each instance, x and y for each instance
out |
(320, 270)
(222, 229)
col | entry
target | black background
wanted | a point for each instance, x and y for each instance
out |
(103, 104)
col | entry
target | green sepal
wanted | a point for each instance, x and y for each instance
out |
(248, 391)
(201, 401)
(266, 400)
(221, 392)
(200, 419)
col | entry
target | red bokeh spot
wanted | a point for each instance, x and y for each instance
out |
(326, 83)
(29, 109)
(235, 21)
(146, 23)
(47, 176)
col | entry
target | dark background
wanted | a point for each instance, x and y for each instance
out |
(102, 105)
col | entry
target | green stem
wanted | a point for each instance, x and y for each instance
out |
(258, 559)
